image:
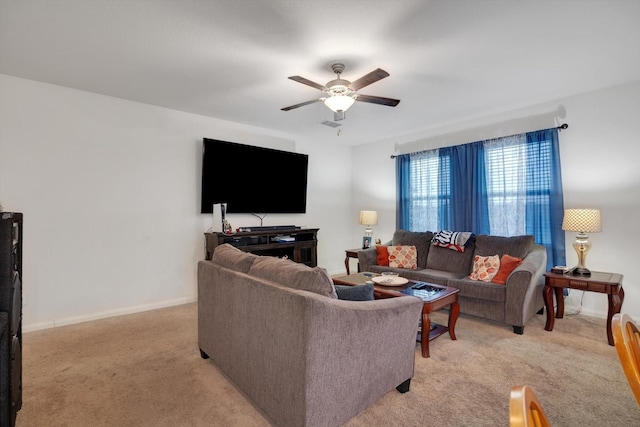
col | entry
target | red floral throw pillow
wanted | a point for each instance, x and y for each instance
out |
(485, 268)
(403, 257)
(383, 255)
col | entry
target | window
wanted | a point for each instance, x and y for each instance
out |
(426, 194)
(506, 187)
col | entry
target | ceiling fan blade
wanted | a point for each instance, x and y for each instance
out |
(367, 79)
(307, 82)
(302, 104)
(378, 100)
(339, 116)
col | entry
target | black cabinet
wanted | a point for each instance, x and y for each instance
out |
(298, 244)
(10, 317)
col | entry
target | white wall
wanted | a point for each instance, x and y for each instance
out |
(599, 152)
(110, 194)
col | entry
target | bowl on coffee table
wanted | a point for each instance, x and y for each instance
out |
(389, 278)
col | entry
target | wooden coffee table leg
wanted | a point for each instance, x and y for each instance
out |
(454, 311)
(424, 336)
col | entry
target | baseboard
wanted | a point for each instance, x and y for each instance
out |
(105, 314)
(570, 309)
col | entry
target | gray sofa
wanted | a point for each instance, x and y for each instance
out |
(513, 303)
(304, 357)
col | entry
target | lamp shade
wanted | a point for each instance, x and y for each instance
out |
(338, 103)
(582, 220)
(368, 217)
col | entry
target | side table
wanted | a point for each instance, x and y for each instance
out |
(601, 282)
(351, 253)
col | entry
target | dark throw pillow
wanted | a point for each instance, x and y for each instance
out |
(355, 293)
(507, 265)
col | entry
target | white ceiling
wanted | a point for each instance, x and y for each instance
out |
(448, 61)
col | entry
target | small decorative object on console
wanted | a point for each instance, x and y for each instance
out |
(560, 269)
(226, 227)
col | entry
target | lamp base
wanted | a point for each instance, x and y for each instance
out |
(580, 271)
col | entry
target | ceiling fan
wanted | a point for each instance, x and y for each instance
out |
(341, 94)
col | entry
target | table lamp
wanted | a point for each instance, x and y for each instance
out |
(583, 221)
(368, 218)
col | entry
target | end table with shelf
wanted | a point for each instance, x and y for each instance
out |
(601, 282)
(351, 253)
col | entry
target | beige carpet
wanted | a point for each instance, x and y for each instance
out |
(145, 370)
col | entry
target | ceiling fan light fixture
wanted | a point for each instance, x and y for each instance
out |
(338, 103)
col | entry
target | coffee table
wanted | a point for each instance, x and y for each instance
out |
(434, 297)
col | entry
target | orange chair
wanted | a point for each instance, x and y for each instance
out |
(626, 337)
(525, 409)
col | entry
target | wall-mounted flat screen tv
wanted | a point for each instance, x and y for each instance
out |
(252, 179)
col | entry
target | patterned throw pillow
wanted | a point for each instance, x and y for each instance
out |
(455, 240)
(403, 257)
(485, 268)
(382, 255)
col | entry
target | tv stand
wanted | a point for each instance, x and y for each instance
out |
(269, 241)
(269, 228)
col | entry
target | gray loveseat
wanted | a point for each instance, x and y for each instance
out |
(305, 358)
(513, 303)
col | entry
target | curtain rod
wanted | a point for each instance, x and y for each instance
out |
(560, 128)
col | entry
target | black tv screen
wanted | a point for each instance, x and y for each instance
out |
(252, 179)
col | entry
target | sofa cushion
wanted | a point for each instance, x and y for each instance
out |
(455, 240)
(293, 275)
(452, 261)
(507, 265)
(479, 290)
(382, 255)
(516, 246)
(355, 293)
(233, 258)
(421, 240)
(485, 267)
(402, 257)
(437, 277)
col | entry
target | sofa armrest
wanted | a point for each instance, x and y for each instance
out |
(367, 257)
(360, 350)
(524, 287)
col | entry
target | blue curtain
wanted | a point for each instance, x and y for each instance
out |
(469, 209)
(462, 199)
(403, 183)
(545, 203)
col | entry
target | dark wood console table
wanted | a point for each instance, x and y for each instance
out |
(303, 249)
(604, 283)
